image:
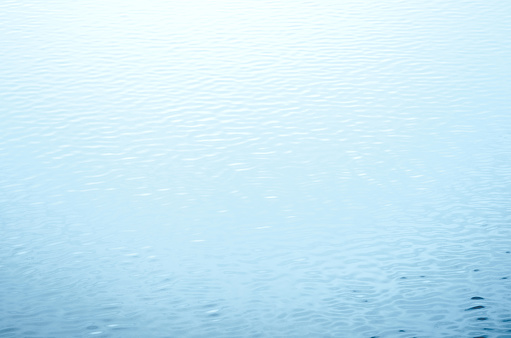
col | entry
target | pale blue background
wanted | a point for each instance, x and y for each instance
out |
(255, 168)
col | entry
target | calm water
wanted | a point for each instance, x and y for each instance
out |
(255, 168)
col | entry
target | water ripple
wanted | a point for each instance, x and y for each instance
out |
(256, 168)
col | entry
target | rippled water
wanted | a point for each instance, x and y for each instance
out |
(255, 168)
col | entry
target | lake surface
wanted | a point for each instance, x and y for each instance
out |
(255, 168)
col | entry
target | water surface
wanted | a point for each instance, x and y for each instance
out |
(255, 169)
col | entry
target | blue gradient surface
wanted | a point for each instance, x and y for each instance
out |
(255, 169)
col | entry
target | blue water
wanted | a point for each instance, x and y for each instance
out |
(255, 168)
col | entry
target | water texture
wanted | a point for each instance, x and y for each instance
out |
(255, 168)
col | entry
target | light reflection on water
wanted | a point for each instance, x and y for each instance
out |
(269, 168)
